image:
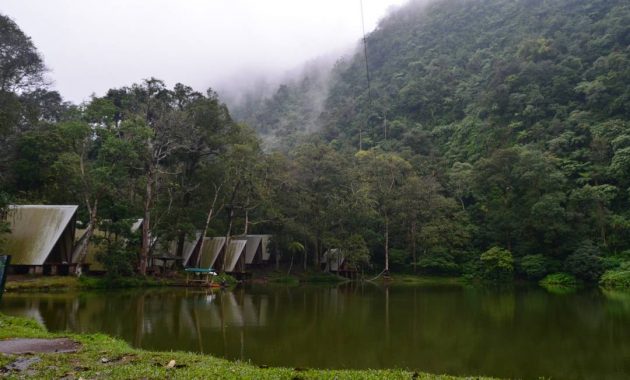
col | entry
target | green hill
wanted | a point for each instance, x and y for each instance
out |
(519, 109)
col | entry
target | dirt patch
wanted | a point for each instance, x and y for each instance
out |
(22, 346)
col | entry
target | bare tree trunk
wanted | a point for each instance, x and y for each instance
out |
(246, 222)
(80, 250)
(413, 245)
(227, 237)
(146, 226)
(386, 244)
(291, 265)
(305, 256)
(205, 226)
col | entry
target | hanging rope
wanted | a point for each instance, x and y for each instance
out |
(367, 75)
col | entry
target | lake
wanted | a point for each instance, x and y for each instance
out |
(522, 332)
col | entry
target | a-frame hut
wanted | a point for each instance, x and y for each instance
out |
(41, 239)
(334, 260)
(207, 258)
(234, 256)
(256, 249)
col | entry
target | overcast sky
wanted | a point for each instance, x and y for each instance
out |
(91, 46)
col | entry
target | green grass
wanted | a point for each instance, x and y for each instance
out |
(124, 362)
(47, 283)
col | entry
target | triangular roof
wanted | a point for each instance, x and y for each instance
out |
(233, 253)
(35, 229)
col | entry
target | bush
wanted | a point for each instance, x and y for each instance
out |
(534, 267)
(442, 264)
(117, 259)
(497, 265)
(585, 263)
(616, 279)
(559, 282)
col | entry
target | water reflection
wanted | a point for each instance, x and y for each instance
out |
(522, 333)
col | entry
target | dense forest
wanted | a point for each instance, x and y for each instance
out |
(484, 138)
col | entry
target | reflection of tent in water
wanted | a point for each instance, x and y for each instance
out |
(225, 310)
(41, 239)
(256, 250)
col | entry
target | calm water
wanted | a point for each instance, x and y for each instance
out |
(522, 333)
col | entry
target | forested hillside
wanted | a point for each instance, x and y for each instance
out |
(518, 110)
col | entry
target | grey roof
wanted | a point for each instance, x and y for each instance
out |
(35, 230)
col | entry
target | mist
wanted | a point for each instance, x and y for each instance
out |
(91, 46)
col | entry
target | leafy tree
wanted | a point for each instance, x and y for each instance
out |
(497, 264)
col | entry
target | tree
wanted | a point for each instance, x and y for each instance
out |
(383, 175)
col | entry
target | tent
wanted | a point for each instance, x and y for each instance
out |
(234, 254)
(41, 238)
(212, 248)
(256, 249)
(334, 260)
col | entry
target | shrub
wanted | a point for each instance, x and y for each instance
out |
(585, 262)
(497, 264)
(439, 264)
(616, 279)
(117, 259)
(534, 267)
(559, 282)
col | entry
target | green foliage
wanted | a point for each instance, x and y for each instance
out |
(441, 264)
(534, 267)
(585, 263)
(559, 282)
(616, 279)
(497, 265)
(119, 261)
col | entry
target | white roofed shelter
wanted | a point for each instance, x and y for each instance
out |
(41, 238)
(234, 254)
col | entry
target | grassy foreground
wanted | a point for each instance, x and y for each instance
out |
(103, 357)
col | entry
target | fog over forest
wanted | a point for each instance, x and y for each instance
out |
(91, 46)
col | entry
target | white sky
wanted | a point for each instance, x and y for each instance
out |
(91, 46)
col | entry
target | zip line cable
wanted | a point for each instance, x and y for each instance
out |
(367, 75)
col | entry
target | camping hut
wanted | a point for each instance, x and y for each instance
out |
(334, 260)
(256, 249)
(41, 239)
(207, 258)
(234, 256)
(190, 245)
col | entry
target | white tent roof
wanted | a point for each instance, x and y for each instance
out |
(234, 251)
(189, 246)
(211, 249)
(253, 242)
(333, 258)
(35, 230)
